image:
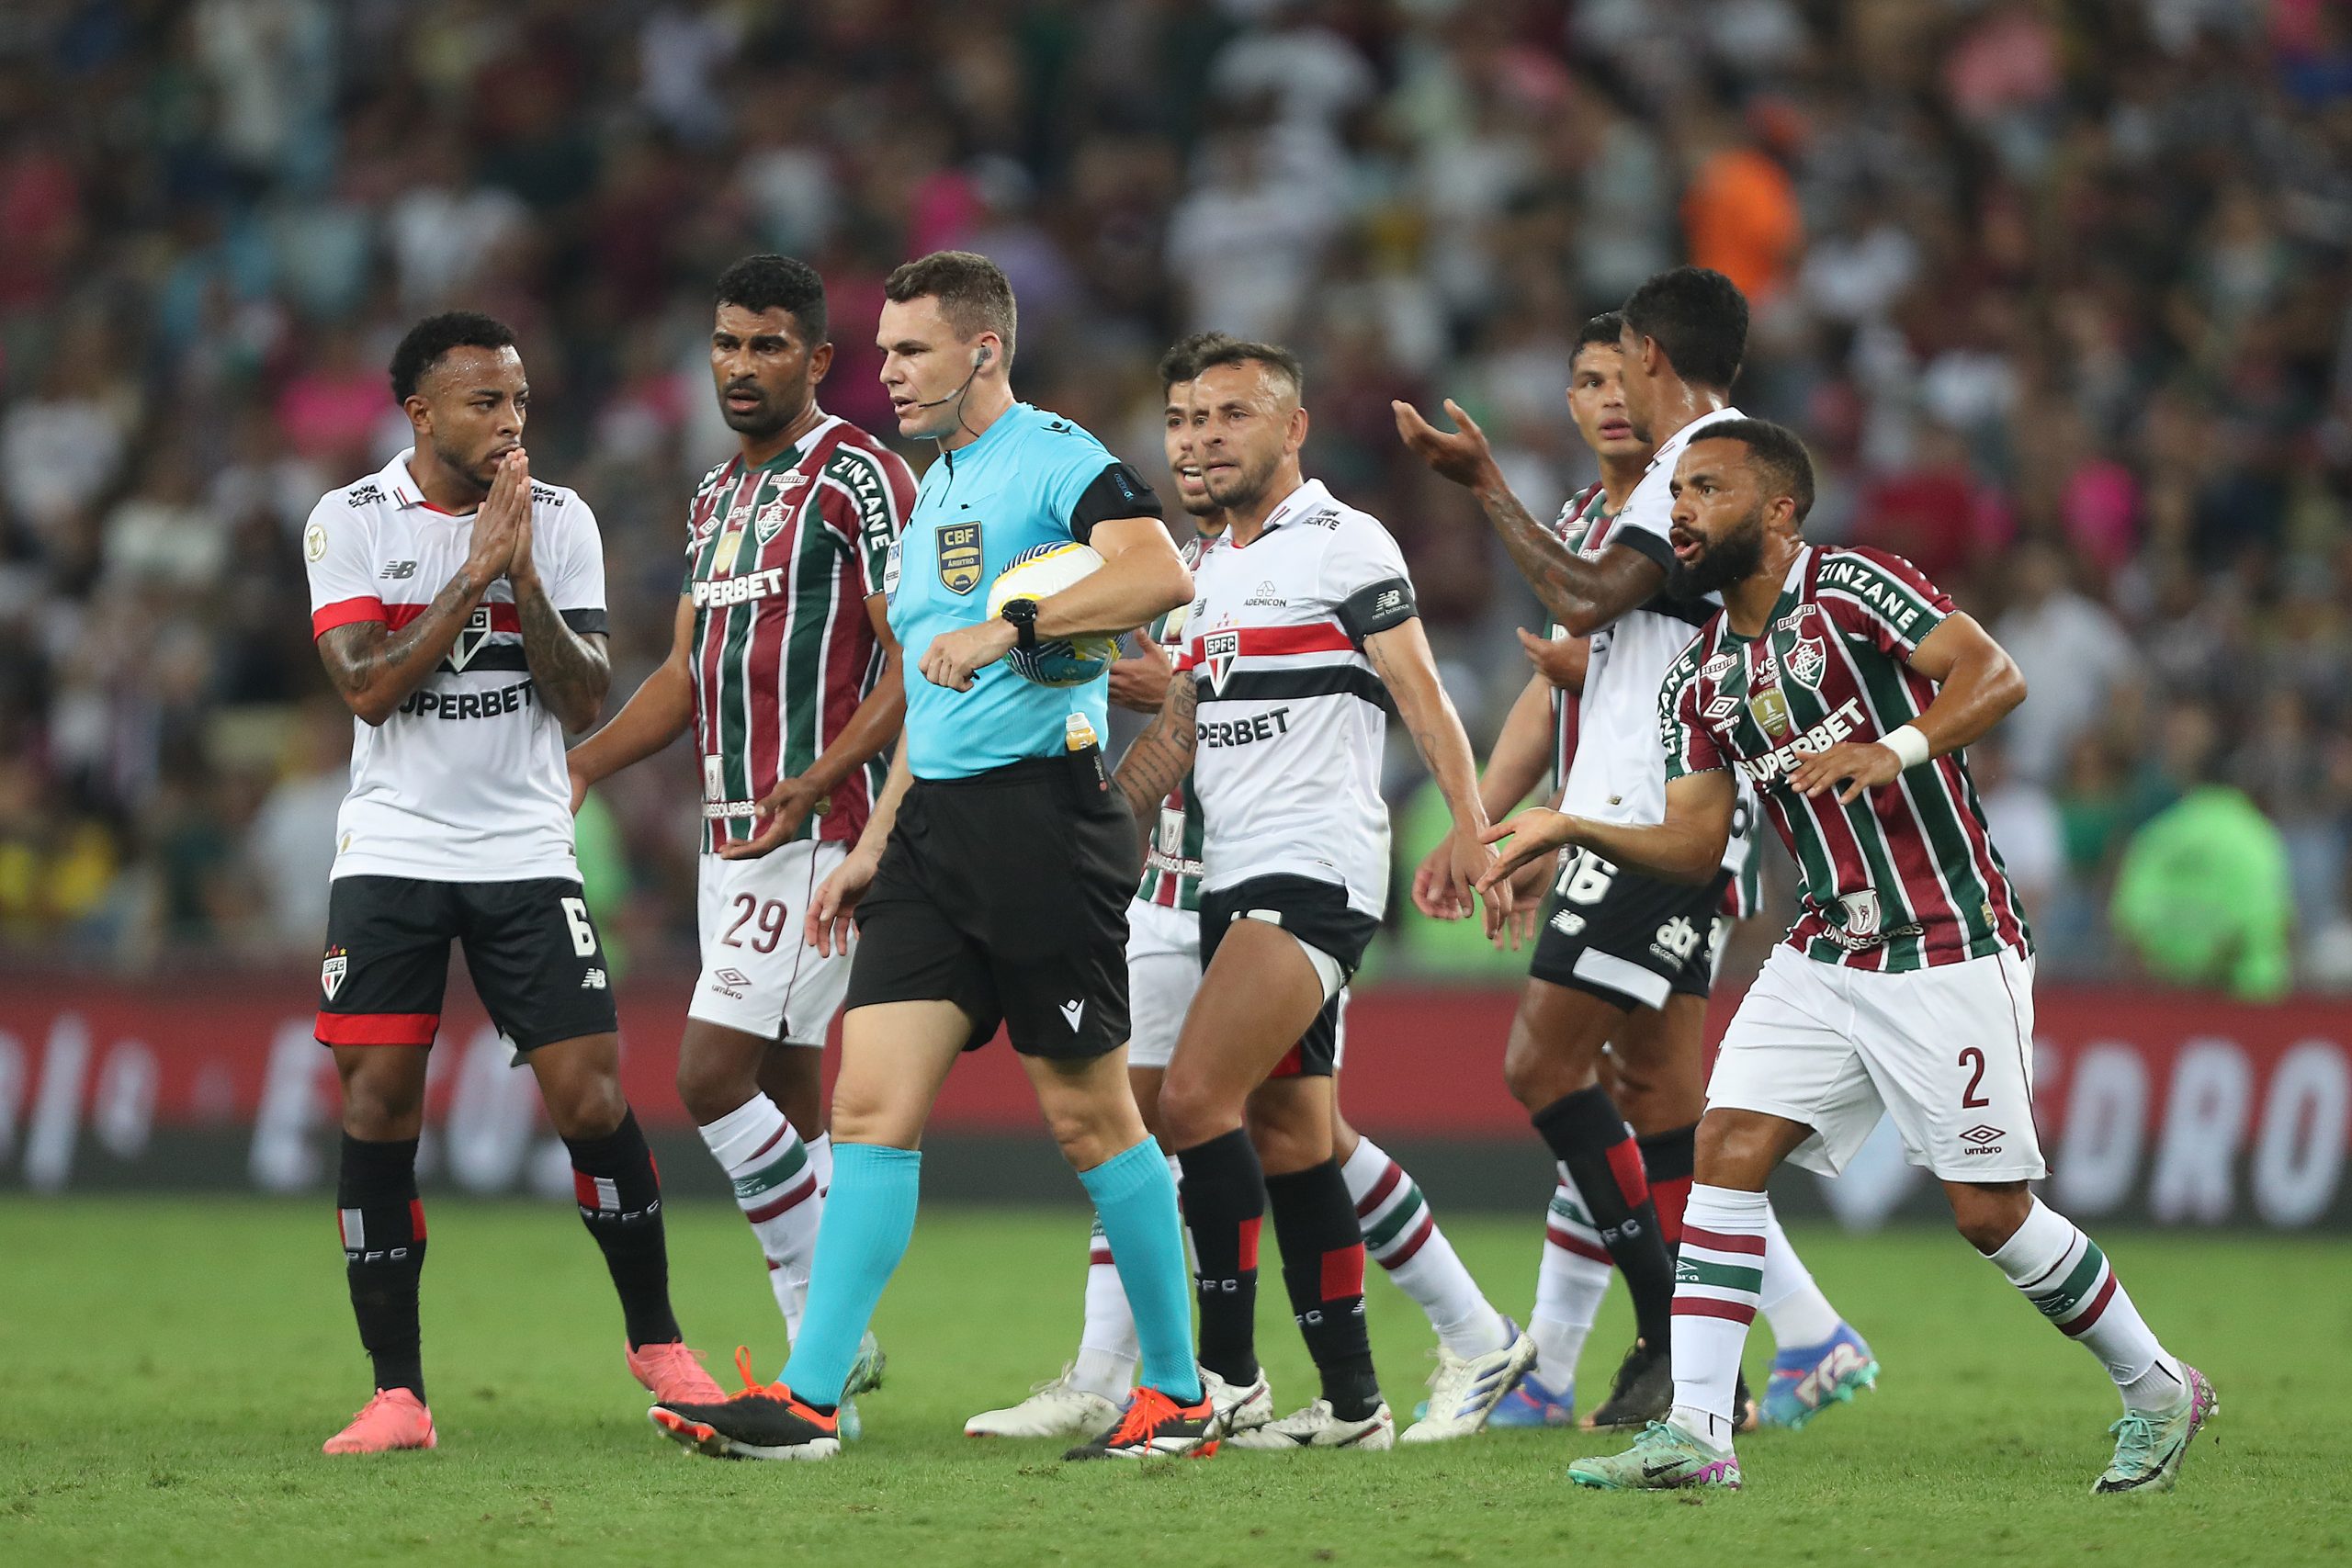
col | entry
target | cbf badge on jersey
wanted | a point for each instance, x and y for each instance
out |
(959, 556)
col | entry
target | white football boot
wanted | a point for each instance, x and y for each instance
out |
(1057, 1408)
(1464, 1390)
(1240, 1407)
(1316, 1427)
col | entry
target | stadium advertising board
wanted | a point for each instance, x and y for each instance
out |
(2168, 1108)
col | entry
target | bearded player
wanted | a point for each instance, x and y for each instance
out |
(784, 668)
(1843, 686)
(1653, 1069)
(458, 607)
(1303, 634)
(1163, 973)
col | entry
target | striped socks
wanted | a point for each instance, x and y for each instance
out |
(1717, 1282)
(1402, 1237)
(1569, 1284)
(2067, 1278)
(780, 1190)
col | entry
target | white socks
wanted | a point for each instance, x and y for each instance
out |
(1800, 1315)
(1718, 1281)
(778, 1186)
(1569, 1284)
(2067, 1278)
(1402, 1237)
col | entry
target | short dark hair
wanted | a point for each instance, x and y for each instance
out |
(1788, 468)
(764, 283)
(973, 292)
(1699, 317)
(1245, 351)
(1183, 360)
(1608, 329)
(431, 338)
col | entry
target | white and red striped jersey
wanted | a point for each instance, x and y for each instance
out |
(465, 782)
(1907, 877)
(1291, 717)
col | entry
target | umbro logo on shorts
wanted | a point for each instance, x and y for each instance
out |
(1982, 1139)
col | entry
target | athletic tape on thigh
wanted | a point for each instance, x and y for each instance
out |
(1328, 970)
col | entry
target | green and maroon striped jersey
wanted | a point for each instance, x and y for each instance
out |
(1171, 863)
(1907, 877)
(780, 562)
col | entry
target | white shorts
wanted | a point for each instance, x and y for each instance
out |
(758, 974)
(1163, 971)
(1948, 1052)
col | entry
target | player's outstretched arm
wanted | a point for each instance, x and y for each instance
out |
(1977, 685)
(1688, 847)
(656, 713)
(1582, 595)
(1400, 656)
(874, 725)
(1158, 758)
(374, 669)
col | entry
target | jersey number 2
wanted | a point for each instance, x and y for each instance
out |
(1969, 1099)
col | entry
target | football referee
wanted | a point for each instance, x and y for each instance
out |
(990, 884)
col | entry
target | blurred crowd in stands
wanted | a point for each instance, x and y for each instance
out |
(2057, 291)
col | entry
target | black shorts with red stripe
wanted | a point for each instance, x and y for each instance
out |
(531, 946)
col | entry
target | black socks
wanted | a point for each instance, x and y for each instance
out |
(620, 1201)
(383, 1252)
(1600, 1159)
(1323, 1270)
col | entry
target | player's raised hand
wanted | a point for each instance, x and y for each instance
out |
(1534, 833)
(1139, 683)
(1859, 765)
(832, 912)
(1461, 455)
(522, 566)
(1469, 859)
(491, 549)
(782, 810)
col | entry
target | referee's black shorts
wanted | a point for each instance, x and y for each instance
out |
(1006, 893)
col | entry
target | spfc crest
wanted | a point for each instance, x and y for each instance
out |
(1218, 650)
(331, 972)
(469, 642)
(1806, 662)
(1770, 709)
(959, 556)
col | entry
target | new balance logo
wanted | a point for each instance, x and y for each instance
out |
(1073, 1011)
(1568, 922)
(398, 570)
(593, 981)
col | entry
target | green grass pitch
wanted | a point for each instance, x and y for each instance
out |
(172, 1367)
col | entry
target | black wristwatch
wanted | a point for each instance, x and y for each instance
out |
(1022, 615)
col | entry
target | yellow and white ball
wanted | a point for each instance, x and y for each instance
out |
(1041, 572)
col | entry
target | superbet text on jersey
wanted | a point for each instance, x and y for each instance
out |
(465, 782)
(1907, 877)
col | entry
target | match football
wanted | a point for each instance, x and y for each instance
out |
(1675, 879)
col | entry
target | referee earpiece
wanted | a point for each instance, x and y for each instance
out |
(979, 357)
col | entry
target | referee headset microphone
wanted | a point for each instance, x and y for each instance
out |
(980, 358)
